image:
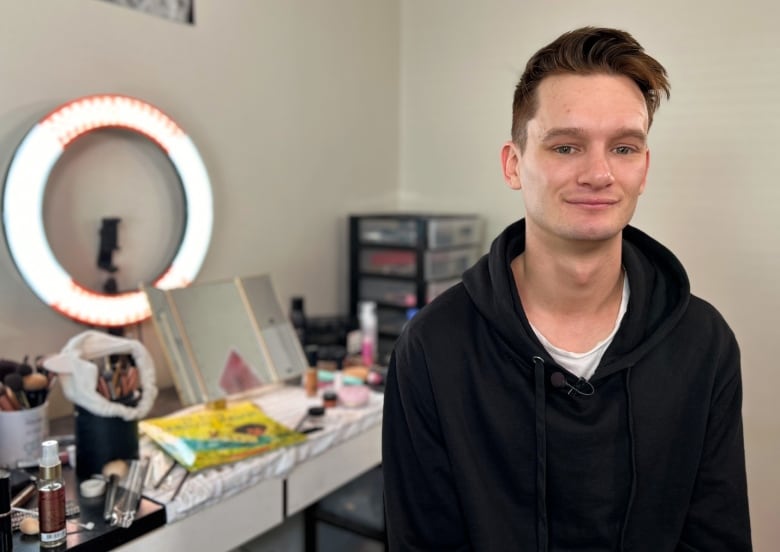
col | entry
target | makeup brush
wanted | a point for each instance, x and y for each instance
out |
(8, 399)
(108, 380)
(14, 383)
(5, 402)
(41, 369)
(24, 368)
(38, 362)
(36, 388)
(7, 367)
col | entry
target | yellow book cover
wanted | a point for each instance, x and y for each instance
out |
(207, 438)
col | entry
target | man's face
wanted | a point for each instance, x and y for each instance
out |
(255, 431)
(585, 160)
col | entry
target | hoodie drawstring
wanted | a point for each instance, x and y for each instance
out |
(541, 455)
(632, 452)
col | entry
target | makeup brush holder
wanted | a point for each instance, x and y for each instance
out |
(21, 435)
(101, 439)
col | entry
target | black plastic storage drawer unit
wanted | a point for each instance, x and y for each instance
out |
(402, 261)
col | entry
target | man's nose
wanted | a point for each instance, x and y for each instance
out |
(596, 171)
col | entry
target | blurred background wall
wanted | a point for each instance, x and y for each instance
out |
(305, 112)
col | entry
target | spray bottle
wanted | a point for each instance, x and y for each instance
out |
(51, 496)
(368, 330)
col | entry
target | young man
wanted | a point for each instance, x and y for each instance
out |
(571, 393)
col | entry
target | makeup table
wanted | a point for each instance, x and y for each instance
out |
(232, 504)
(222, 508)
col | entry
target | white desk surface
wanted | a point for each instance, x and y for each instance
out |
(229, 505)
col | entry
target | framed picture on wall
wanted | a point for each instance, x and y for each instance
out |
(176, 10)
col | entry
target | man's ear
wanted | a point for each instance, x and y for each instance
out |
(510, 163)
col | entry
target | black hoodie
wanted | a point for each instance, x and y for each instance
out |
(482, 452)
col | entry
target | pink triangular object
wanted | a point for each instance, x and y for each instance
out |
(237, 375)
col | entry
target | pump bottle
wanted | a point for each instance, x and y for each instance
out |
(368, 330)
(51, 497)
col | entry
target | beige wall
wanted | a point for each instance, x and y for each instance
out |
(293, 106)
(712, 195)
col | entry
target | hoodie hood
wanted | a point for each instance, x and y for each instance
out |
(660, 292)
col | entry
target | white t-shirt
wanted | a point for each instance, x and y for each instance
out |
(584, 365)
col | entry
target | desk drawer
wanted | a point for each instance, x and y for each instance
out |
(391, 321)
(403, 262)
(313, 479)
(453, 232)
(402, 293)
(427, 232)
(389, 231)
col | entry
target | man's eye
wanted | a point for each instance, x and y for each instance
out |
(563, 149)
(624, 150)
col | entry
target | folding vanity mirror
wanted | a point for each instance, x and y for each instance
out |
(225, 338)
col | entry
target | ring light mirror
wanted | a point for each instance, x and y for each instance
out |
(107, 175)
(25, 188)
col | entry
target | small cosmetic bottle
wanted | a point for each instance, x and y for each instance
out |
(368, 329)
(330, 399)
(310, 375)
(6, 534)
(51, 497)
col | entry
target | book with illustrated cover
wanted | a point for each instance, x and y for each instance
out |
(207, 438)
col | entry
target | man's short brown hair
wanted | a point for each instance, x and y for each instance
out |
(585, 51)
